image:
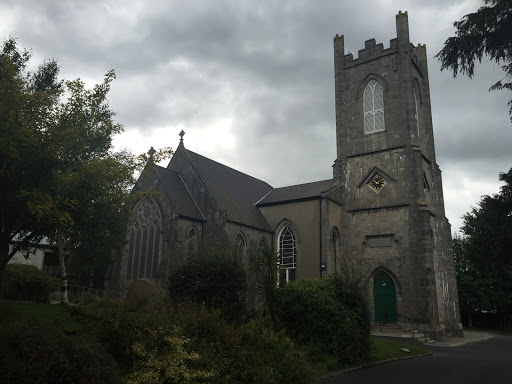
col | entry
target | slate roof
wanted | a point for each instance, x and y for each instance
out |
(177, 193)
(297, 192)
(234, 192)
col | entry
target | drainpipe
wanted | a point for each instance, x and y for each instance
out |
(321, 264)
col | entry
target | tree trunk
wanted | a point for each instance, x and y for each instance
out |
(62, 268)
(4, 259)
(470, 320)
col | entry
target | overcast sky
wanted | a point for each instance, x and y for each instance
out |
(252, 82)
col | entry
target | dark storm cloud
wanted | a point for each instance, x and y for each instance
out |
(266, 68)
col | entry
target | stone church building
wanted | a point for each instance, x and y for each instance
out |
(380, 217)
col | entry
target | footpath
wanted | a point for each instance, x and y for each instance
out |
(469, 337)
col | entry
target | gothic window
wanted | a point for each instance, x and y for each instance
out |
(373, 101)
(240, 248)
(192, 244)
(416, 115)
(335, 251)
(288, 251)
(144, 242)
(262, 244)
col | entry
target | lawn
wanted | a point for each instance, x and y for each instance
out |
(385, 349)
(24, 310)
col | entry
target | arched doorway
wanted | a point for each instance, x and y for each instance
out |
(384, 297)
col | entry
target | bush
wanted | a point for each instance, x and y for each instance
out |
(42, 353)
(144, 295)
(26, 282)
(323, 316)
(194, 343)
(217, 280)
(247, 353)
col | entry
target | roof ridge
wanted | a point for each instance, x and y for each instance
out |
(311, 182)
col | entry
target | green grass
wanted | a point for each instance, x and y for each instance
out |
(18, 310)
(384, 349)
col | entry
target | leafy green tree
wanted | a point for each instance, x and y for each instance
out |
(482, 255)
(60, 178)
(485, 33)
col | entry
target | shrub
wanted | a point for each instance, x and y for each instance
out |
(42, 353)
(322, 316)
(26, 282)
(144, 294)
(247, 353)
(217, 280)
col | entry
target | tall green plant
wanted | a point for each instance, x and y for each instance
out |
(264, 269)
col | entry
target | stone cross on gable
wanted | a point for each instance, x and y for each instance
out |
(182, 133)
(151, 152)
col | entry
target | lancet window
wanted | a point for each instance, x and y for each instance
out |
(373, 100)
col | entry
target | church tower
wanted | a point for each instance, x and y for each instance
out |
(395, 232)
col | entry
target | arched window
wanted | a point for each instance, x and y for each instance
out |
(335, 253)
(288, 252)
(240, 248)
(144, 243)
(373, 101)
(192, 244)
(416, 115)
(262, 244)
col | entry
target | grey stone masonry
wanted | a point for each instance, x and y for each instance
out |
(397, 227)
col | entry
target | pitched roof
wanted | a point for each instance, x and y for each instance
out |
(297, 192)
(234, 192)
(177, 193)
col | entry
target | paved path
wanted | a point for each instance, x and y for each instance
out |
(480, 359)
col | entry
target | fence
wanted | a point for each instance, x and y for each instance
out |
(80, 293)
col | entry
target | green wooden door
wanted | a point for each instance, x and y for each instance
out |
(384, 298)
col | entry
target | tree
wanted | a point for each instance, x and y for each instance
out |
(60, 178)
(482, 255)
(485, 33)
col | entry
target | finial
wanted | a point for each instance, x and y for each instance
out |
(151, 152)
(182, 133)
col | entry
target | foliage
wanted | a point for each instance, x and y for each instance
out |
(331, 320)
(161, 358)
(264, 269)
(482, 254)
(485, 33)
(200, 343)
(213, 278)
(59, 175)
(247, 353)
(27, 282)
(41, 353)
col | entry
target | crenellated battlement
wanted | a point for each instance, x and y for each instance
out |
(372, 50)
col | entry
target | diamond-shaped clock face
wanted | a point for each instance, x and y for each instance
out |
(377, 182)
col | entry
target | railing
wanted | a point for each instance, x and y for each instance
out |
(80, 293)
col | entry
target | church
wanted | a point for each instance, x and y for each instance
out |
(381, 216)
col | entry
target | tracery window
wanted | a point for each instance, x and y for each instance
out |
(288, 252)
(373, 101)
(144, 243)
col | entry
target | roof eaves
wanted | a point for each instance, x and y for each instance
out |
(287, 201)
